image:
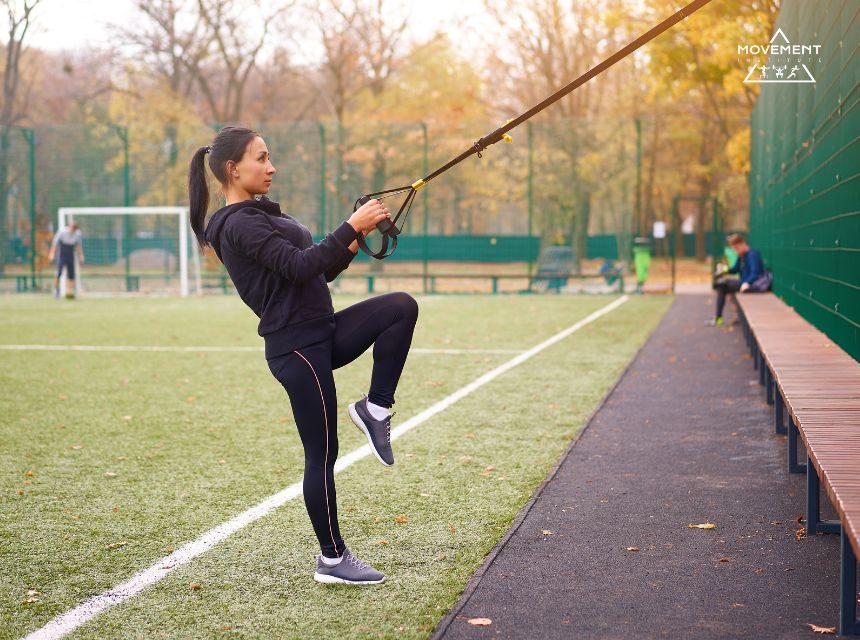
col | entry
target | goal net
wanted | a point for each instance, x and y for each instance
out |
(133, 250)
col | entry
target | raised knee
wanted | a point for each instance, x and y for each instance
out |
(408, 304)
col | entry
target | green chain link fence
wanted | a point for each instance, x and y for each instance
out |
(567, 183)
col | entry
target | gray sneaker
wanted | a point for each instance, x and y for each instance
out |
(378, 432)
(350, 570)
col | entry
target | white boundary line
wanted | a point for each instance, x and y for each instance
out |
(201, 349)
(77, 616)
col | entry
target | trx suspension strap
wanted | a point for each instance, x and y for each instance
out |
(388, 228)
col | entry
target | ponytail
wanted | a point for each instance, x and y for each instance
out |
(198, 194)
(229, 144)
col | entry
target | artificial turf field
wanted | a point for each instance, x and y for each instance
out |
(111, 460)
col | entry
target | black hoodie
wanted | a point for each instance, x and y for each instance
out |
(279, 272)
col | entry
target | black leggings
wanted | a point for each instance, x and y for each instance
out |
(725, 286)
(385, 321)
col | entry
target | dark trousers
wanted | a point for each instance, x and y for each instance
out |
(386, 322)
(723, 287)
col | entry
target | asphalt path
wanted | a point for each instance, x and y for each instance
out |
(604, 548)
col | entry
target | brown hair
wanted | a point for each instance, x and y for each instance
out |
(229, 144)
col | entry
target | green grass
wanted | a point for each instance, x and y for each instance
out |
(152, 449)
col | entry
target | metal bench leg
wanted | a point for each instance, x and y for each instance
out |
(779, 414)
(768, 380)
(849, 625)
(761, 367)
(793, 466)
(754, 352)
(814, 523)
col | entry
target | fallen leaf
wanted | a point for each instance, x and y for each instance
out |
(191, 398)
(725, 559)
(467, 460)
(126, 418)
(226, 627)
(28, 482)
(29, 473)
(823, 630)
(452, 528)
(382, 542)
(480, 622)
(424, 495)
(706, 525)
(401, 518)
(110, 474)
(800, 533)
(20, 492)
(122, 457)
(195, 585)
(470, 436)
(63, 396)
(75, 446)
(800, 519)
(547, 532)
(737, 605)
(222, 461)
(633, 548)
(488, 470)
(116, 509)
(284, 419)
(117, 545)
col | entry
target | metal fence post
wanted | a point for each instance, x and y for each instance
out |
(425, 248)
(30, 137)
(122, 132)
(322, 178)
(531, 146)
(675, 231)
(638, 205)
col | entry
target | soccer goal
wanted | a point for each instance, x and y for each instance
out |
(133, 250)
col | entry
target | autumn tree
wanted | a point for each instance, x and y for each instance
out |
(551, 43)
(20, 15)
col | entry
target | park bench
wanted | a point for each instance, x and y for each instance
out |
(816, 386)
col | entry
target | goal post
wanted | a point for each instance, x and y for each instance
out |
(144, 249)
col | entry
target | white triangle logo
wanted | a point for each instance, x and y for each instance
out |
(779, 33)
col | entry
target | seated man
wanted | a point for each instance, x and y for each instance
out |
(753, 277)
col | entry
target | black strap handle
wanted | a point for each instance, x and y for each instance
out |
(386, 227)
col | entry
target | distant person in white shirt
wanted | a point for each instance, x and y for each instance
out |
(67, 239)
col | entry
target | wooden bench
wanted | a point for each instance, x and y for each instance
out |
(816, 385)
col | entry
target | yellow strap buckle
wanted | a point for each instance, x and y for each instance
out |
(418, 185)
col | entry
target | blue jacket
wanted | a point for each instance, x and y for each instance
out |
(749, 266)
(279, 272)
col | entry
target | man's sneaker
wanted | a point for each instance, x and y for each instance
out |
(350, 570)
(378, 432)
(56, 292)
(715, 322)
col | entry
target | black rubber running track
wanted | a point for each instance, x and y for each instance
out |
(685, 437)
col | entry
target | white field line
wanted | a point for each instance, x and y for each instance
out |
(201, 349)
(74, 618)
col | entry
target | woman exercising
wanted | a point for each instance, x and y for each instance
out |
(281, 275)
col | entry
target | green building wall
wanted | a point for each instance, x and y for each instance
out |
(805, 173)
